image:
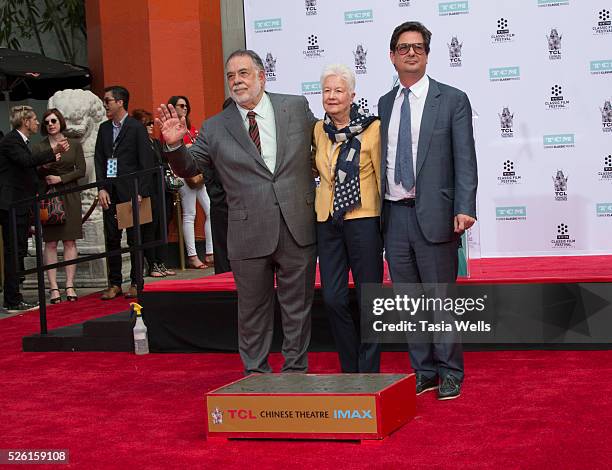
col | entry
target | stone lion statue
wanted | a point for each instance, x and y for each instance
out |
(84, 112)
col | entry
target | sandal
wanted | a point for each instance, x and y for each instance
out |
(201, 265)
(156, 271)
(55, 300)
(165, 270)
(209, 259)
(71, 298)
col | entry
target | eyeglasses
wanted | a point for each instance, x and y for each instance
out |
(184, 106)
(108, 100)
(50, 121)
(404, 48)
(149, 123)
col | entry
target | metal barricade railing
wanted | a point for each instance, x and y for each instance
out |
(40, 268)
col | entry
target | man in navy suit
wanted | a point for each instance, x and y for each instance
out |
(122, 147)
(429, 182)
(18, 180)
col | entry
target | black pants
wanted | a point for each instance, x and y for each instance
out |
(113, 234)
(12, 296)
(218, 226)
(153, 231)
(356, 245)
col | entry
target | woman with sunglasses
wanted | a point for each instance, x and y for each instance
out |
(193, 191)
(60, 175)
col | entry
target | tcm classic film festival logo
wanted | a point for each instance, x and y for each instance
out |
(503, 33)
(360, 56)
(454, 52)
(311, 7)
(559, 141)
(601, 67)
(604, 25)
(606, 172)
(560, 184)
(554, 44)
(509, 175)
(556, 100)
(269, 25)
(511, 213)
(506, 122)
(504, 74)
(311, 88)
(606, 116)
(313, 50)
(604, 209)
(563, 238)
(270, 67)
(453, 8)
(358, 16)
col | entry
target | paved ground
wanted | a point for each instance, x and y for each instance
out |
(31, 294)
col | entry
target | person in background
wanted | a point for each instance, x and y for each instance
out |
(156, 257)
(193, 191)
(57, 176)
(347, 160)
(18, 180)
(122, 147)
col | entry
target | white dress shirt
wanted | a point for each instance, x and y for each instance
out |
(417, 96)
(264, 115)
(23, 136)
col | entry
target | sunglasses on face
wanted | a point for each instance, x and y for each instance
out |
(50, 121)
(184, 106)
(418, 48)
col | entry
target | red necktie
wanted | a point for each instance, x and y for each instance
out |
(254, 130)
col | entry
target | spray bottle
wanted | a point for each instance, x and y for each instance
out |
(141, 342)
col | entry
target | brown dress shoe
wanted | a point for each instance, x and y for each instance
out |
(111, 293)
(132, 293)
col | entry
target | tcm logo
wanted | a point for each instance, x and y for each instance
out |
(502, 74)
(353, 414)
(511, 213)
(269, 25)
(311, 88)
(453, 8)
(601, 67)
(559, 140)
(604, 209)
(358, 16)
(241, 414)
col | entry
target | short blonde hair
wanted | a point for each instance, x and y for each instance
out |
(19, 114)
(342, 71)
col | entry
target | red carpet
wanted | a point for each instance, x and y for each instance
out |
(486, 270)
(115, 410)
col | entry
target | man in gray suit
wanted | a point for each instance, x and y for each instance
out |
(429, 190)
(260, 150)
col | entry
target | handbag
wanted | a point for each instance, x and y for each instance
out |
(173, 183)
(52, 210)
(195, 182)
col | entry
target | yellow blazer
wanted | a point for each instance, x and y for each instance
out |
(326, 156)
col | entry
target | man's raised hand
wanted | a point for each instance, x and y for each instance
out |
(172, 127)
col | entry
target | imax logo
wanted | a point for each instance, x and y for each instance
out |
(453, 8)
(271, 24)
(504, 73)
(558, 139)
(311, 87)
(358, 16)
(604, 209)
(510, 212)
(353, 414)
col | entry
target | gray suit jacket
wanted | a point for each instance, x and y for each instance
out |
(256, 197)
(446, 173)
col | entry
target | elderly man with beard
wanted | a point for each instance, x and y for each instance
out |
(260, 149)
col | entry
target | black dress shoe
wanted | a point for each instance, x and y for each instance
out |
(425, 384)
(20, 307)
(450, 388)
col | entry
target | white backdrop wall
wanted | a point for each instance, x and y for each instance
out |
(539, 77)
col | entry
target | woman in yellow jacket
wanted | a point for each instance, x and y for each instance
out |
(347, 159)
